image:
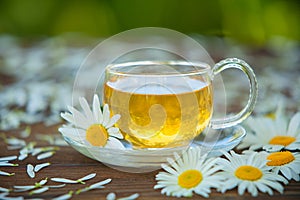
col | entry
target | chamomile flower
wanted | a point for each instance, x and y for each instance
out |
(286, 162)
(92, 127)
(187, 174)
(248, 172)
(273, 135)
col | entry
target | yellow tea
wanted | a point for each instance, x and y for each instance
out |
(159, 115)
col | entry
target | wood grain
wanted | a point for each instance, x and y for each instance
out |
(68, 163)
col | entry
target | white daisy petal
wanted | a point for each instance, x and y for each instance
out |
(175, 181)
(242, 187)
(79, 119)
(228, 185)
(87, 111)
(97, 110)
(293, 146)
(273, 135)
(295, 176)
(252, 189)
(84, 126)
(72, 133)
(112, 121)
(169, 169)
(286, 162)
(173, 164)
(293, 128)
(274, 185)
(287, 173)
(106, 115)
(264, 188)
(250, 174)
(115, 132)
(114, 143)
(273, 148)
(68, 117)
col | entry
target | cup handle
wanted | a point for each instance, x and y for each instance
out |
(236, 63)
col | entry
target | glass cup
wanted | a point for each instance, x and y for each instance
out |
(167, 104)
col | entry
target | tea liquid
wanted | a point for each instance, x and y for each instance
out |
(154, 115)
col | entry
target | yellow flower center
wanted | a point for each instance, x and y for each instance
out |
(97, 135)
(248, 173)
(190, 178)
(271, 115)
(282, 140)
(280, 158)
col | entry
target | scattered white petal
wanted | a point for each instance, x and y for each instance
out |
(22, 156)
(35, 199)
(111, 196)
(25, 133)
(14, 147)
(15, 142)
(3, 173)
(45, 155)
(87, 177)
(2, 189)
(98, 185)
(7, 164)
(131, 197)
(64, 196)
(40, 166)
(38, 150)
(30, 171)
(63, 180)
(8, 158)
(42, 182)
(57, 186)
(81, 180)
(40, 190)
(53, 139)
(101, 183)
(4, 196)
(22, 188)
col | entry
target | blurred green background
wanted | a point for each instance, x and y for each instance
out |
(247, 21)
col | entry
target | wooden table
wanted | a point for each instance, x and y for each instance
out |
(68, 163)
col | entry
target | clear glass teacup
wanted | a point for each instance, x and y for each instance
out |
(168, 103)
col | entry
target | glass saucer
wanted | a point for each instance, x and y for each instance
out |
(146, 160)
